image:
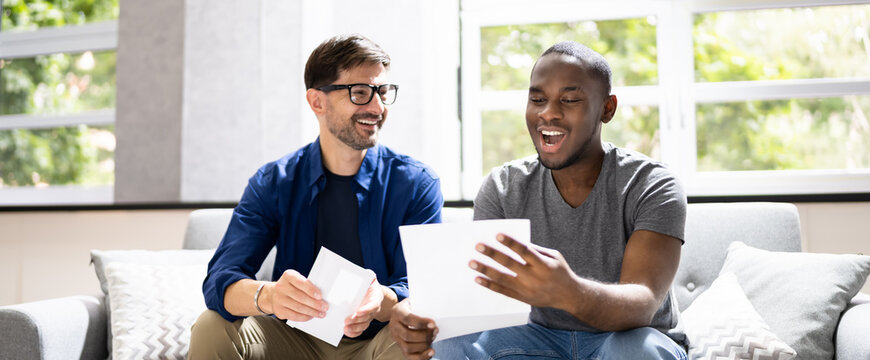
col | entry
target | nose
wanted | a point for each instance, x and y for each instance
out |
(375, 106)
(551, 111)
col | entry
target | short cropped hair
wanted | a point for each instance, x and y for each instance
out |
(595, 62)
(341, 53)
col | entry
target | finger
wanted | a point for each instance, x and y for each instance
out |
(306, 302)
(491, 274)
(300, 282)
(424, 354)
(524, 251)
(290, 314)
(499, 257)
(355, 330)
(285, 301)
(499, 288)
(551, 253)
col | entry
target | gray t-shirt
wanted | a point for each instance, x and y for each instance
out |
(632, 193)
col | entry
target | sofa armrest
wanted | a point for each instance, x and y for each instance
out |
(852, 331)
(64, 328)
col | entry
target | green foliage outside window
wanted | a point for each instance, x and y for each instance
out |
(783, 44)
(25, 15)
(57, 84)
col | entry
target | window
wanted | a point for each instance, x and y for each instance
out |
(740, 99)
(57, 98)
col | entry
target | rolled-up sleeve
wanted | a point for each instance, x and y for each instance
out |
(250, 236)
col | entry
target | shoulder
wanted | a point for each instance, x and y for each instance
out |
(634, 166)
(514, 174)
(404, 166)
(287, 167)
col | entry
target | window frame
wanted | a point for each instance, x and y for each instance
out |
(677, 94)
(69, 39)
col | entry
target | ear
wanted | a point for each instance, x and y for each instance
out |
(316, 100)
(609, 109)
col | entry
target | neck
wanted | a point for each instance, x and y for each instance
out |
(576, 181)
(339, 158)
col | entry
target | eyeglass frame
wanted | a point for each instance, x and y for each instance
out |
(375, 89)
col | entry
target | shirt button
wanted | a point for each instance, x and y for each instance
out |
(690, 286)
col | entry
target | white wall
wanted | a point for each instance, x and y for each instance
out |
(46, 254)
(222, 97)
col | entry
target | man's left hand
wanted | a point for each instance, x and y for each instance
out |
(357, 322)
(545, 280)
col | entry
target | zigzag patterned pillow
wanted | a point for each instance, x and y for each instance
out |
(153, 308)
(722, 324)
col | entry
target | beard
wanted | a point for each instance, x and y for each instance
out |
(347, 133)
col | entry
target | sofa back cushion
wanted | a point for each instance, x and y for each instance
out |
(710, 228)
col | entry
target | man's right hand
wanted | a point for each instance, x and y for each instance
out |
(413, 334)
(295, 298)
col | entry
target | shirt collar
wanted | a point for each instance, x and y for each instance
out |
(368, 167)
(315, 163)
(363, 176)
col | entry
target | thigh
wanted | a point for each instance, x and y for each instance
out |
(265, 337)
(641, 343)
(517, 342)
(381, 347)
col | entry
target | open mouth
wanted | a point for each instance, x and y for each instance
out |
(368, 123)
(551, 139)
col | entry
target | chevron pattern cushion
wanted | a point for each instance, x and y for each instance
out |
(153, 308)
(722, 324)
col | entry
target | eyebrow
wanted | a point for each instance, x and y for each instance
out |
(564, 89)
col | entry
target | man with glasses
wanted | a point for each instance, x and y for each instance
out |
(344, 192)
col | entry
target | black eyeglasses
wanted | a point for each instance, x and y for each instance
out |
(361, 94)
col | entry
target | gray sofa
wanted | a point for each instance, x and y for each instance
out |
(75, 327)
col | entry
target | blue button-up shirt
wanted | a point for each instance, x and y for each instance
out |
(279, 208)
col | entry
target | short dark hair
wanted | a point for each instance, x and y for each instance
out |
(595, 62)
(341, 53)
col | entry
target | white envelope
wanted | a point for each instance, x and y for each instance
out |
(343, 285)
(442, 285)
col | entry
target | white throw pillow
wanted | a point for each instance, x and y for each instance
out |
(191, 266)
(153, 308)
(722, 324)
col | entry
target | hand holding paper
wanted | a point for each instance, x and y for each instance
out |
(442, 285)
(540, 279)
(343, 284)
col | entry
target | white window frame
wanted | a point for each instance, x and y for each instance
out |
(66, 39)
(676, 94)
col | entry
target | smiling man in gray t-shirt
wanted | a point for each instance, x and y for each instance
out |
(607, 227)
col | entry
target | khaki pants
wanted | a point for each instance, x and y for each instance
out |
(265, 337)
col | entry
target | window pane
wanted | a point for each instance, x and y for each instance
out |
(508, 52)
(78, 155)
(799, 43)
(798, 134)
(635, 128)
(505, 137)
(25, 15)
(57, 83)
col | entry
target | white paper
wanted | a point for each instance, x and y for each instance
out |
(442, 285)
(343, 285)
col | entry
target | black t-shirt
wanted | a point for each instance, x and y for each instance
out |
(338, 219)
(338, 227)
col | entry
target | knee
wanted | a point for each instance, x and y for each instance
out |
(209, 330)
(641, 343)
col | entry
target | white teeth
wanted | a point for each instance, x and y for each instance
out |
(551, 133)
(368, 122)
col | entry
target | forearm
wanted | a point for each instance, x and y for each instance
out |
(611, 307)
(390, 300)
(239, 297)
